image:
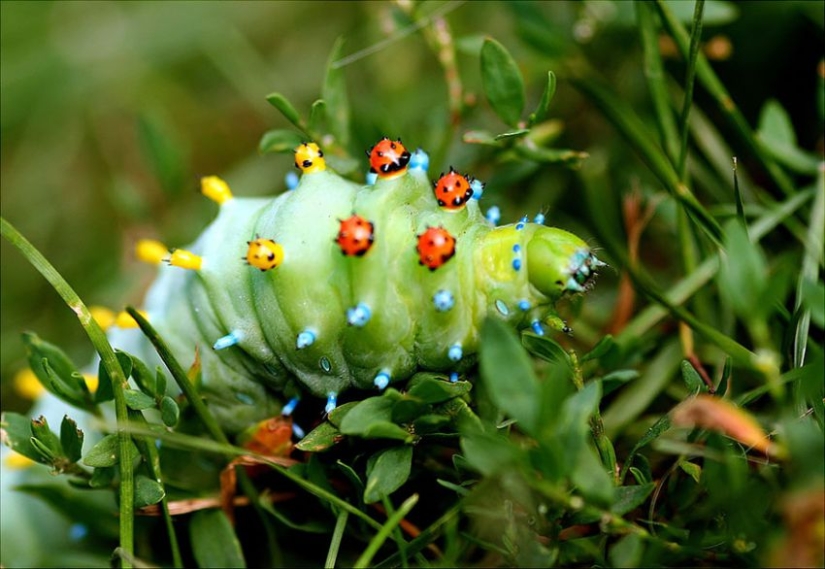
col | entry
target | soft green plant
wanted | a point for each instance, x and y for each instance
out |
(681, 424)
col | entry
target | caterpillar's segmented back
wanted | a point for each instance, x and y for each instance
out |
(335, 284)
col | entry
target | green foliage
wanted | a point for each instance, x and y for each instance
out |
(681, 423)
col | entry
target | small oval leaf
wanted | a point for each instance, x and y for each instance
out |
(502, 82)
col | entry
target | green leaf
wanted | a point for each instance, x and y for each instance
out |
(169, 411)
(518, 133)
(340, 412)
(390, 470)
(371, 419)
(565, 156)
(489, 453)
(691, 469)
(319, 439)
(544, 102)
(147, 491)
(502, 82)
(17, 434)
(163, 151)
(106, 452)
(508, 374)
(71, 439)
(433, 388)
(481, 137)
(214, 543)
(160, 381)
(317, 115)
(284, 141)
(282, 104)
(627, 552)
(138, 400)
(546, 348)
(334, 94)
(628, 498)
(56, 371)
(103, 477)
(692, 379)
(602, 347)
(813, 297)
(145, 379)
(743, 274)
(777, 136)
(430, 423)
(44, 440)
(98, 515)
(105, 391)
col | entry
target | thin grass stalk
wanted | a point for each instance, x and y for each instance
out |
(378, 540)
(107, 356)
(335, 542)
(655, 75)
(687, 287)
(710, 81)
(695, 38)
(635, 131)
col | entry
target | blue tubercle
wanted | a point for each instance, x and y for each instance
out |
(359, 315)
(78, 531)
(419, 160)
(371, 178)
(539, 219)
(305, 338)
(443, 300)
(478, 188)
(228, 341)
(332, 402)
(493, 215)
(536, 326)
(455, 353)
(517, 264)
(298, 431)
(382, 380)
(290, 406)
(291, 180)
(521, 222)
(453, 376)
(524, 305)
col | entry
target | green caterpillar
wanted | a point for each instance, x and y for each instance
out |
(354, 286)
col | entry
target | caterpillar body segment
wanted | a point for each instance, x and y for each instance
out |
(335, 312)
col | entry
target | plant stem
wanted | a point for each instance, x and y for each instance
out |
(337, 535)
(695, 37)
(107, 356)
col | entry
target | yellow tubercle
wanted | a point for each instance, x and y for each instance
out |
(185, 260)
(309, 158)
(151, 251)
(215, 189)
(27, 385)
(104, 317)
(125, 320)
(264, 254)
(16, 461)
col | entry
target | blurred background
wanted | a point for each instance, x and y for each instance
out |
(110, 113)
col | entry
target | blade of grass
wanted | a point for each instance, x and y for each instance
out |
(634, 130)
(714, 86)
(337, 535)
(179, 375)
(385, 531)
(695, 37)
(203, 414)
(810, 267)
(425, 538)
(688, 286)
(107, 355)
(655, 74)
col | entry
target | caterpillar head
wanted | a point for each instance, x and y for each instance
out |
(559, 262)
(309, 158)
